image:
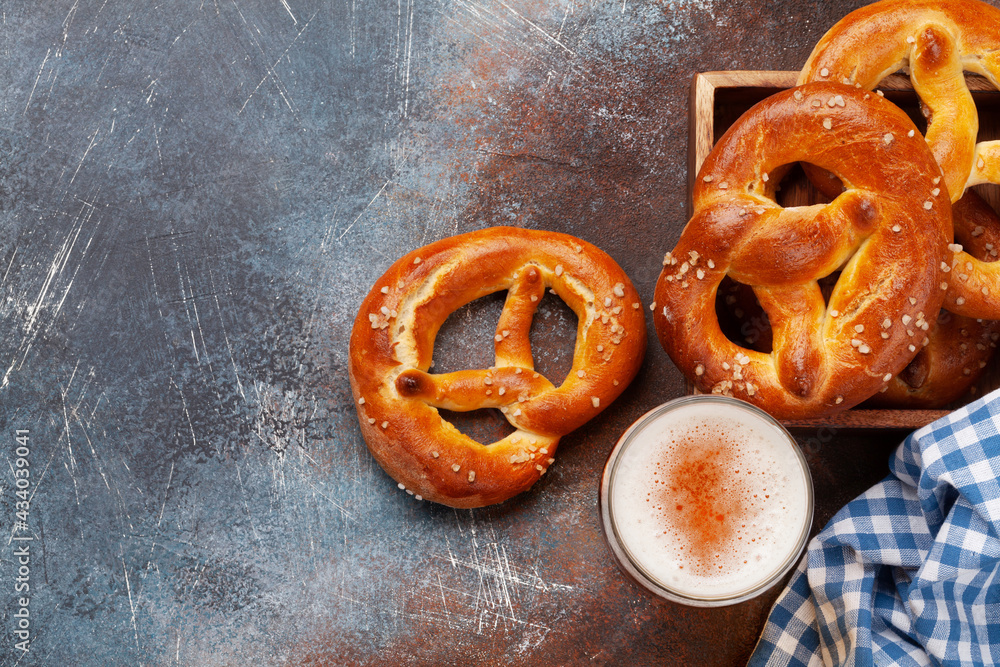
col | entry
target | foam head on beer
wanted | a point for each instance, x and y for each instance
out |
(707, 498)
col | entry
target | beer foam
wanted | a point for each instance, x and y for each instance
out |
(709, 501)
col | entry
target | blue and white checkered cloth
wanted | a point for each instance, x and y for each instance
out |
(909, 572)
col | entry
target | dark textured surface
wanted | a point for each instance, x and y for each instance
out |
(194, 199)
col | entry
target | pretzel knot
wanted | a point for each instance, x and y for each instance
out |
(936, 42)
(392, 345)
(887, 233)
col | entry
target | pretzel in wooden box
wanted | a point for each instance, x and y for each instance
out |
(887, 233)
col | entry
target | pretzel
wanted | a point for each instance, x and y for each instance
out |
(887, 233)
(936, 41)
(392, 344)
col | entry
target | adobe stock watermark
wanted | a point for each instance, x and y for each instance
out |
(20, 540)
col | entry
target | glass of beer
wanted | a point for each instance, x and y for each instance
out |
(707, 501)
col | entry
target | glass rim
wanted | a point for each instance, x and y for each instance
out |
(634, 568)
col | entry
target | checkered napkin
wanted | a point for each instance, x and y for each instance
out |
(909, 572)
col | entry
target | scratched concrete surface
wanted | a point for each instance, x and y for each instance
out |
(194, 199)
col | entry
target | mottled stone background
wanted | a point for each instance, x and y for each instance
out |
(194, 199)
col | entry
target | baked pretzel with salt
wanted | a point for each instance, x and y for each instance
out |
(936, 41)
(392, 344)
(887, 233)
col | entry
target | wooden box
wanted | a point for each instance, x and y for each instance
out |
(717, 101)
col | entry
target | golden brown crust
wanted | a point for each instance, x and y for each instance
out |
(946, 369)
(975, 285)
(958, 350)
(887, 233)
(936, 42)
(960, 347)
(392, 343)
